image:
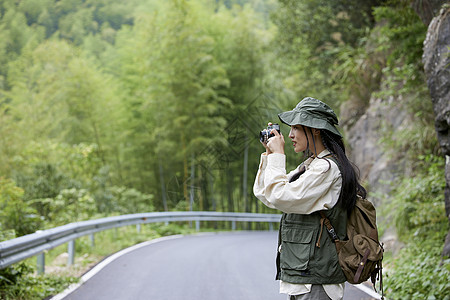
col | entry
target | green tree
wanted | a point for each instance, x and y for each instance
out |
(242, 40)
(309, 35)
(15, 213)
(174, 82)
(148, 99)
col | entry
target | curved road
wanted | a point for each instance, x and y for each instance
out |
(236, 265)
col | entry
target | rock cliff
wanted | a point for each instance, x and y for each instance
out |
(378, 166)
(436, 59)
(365, 126)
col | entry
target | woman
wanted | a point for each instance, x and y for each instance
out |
(326, 181)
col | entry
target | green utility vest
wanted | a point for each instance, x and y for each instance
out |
(307, 254)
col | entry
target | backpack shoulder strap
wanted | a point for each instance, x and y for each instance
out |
(332, 157)
(330, 228)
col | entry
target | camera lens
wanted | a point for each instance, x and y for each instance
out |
(263, 136)
(266, 134)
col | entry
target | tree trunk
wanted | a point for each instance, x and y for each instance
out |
(192, 180)
(201, 199)
(97, 140)
(244, 177)
(185, 169)
(211, 191)
(163, 185)
(230, 190)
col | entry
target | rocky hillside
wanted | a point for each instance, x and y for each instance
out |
(374, 127)
(436, 59)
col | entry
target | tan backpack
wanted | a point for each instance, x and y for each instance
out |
(360, 256)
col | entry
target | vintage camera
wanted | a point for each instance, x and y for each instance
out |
(265, 134)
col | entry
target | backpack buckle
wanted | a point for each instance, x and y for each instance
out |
(332, 234)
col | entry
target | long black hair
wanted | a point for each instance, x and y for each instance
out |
(351, 187)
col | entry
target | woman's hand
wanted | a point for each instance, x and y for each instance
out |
(275, 143)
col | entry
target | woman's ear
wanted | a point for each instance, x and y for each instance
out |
(316, 132)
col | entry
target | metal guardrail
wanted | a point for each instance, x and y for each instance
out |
(18, 249)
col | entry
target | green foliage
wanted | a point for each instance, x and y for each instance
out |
(7, 234)
(18, 283)
(12, 274)
(312, 39)
(357, 71)
(418, 272)
(416, 205)
(15, 213)
(124, 200)
(93, 104)
(401, 37)
(419, 201)
(402, 31)
(172, 229)
(47, 166)
(44, 182)
(70, 205)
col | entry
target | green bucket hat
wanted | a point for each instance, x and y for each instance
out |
(312, 113)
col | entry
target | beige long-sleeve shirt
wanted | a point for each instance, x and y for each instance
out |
(316, 189)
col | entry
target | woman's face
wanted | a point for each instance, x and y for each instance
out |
(298, 138)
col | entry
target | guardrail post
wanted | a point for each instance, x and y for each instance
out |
(41, 263)
(271, 226)
(138, 228)
(233, 225)
(197, 225)
(71, 251)
(92, 238)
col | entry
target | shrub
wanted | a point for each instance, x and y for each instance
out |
(15, 214)
(417, 207)
(18, 283)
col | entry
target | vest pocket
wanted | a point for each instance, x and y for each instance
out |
(295, 248)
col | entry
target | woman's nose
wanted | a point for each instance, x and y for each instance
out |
(291, 135)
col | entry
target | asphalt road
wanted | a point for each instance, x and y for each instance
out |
(237, 265)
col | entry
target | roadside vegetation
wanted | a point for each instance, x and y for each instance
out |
(418, 271)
